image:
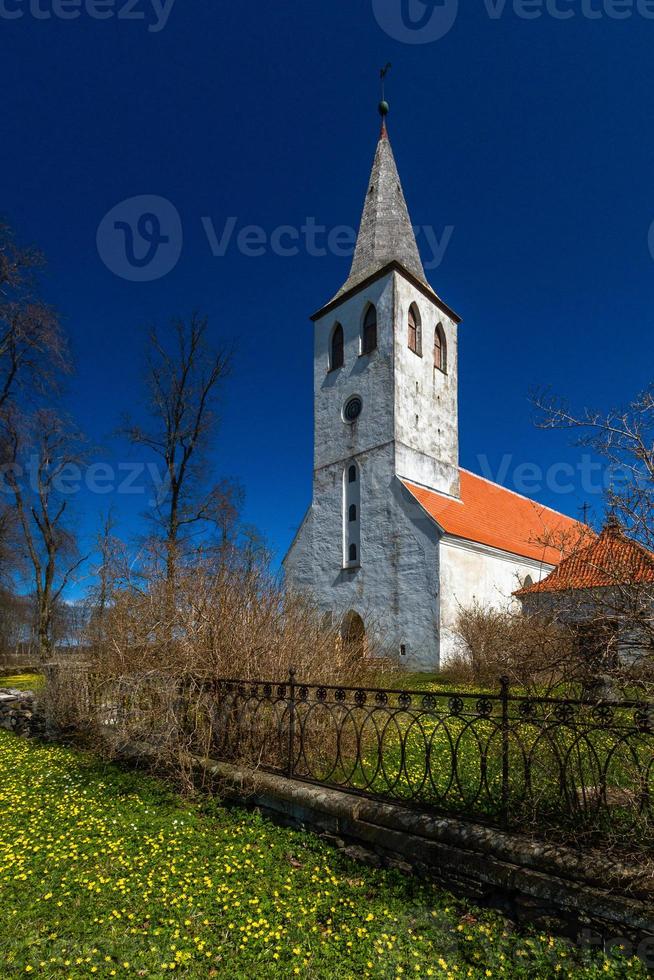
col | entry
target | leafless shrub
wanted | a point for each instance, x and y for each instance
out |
(532, 651)
(153, 673)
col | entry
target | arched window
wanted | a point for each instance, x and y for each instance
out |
(528, 580)
(351, 516)
(369, 339)
(415, 330)
(440, 349)
(337, 352)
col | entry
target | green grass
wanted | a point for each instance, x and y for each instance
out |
(105, 873)
(23, 682)
(435, 683)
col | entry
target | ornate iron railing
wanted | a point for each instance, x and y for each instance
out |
(508, 758)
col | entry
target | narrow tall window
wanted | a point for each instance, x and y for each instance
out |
(337, 352)
(415, 330)
(440, 349)
(351, 516)
(369, 339)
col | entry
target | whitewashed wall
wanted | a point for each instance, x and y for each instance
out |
(370, 376)
(426, 401)
(470, 573)
(395, 590)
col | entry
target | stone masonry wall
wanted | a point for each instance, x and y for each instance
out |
(19, 712)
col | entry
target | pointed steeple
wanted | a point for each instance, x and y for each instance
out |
(385, 233)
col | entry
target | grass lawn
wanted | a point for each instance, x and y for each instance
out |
(105, 873)
(22, 682)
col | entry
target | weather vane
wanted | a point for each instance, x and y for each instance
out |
(383, 105)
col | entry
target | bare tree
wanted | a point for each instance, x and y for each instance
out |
(624, 438)
(32, 355)
(44, 451)
(32, 345)
(105, 571)
(614, 604)
(16, 626)
(111, 573)
(184, 377)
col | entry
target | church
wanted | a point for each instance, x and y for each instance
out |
(398, 538)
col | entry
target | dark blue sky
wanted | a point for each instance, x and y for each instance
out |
(532, 138)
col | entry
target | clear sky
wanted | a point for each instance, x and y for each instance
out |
(530, 139)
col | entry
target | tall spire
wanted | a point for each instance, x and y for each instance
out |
(385, 233)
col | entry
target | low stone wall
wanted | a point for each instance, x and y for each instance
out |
(19, 712)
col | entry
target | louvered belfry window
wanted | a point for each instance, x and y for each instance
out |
(415, 338)
(440, 349)
(369, 343)
(337, 353)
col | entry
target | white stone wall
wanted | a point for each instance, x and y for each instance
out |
(370, 376)
(426, 403)
(470, 573)
(395, 589)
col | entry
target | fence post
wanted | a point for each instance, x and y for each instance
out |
(291, 722)
(504, 694)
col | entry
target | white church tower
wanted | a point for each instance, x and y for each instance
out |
(385, 404)
(398, 538)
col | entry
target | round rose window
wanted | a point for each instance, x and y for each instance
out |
(352, 409)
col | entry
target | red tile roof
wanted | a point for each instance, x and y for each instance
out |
(610, 559)
(492, 515)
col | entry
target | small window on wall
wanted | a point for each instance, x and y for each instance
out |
(440, 349)
(351, 516)
(528, 580)
(369, 338)
(337, 349)
(415, 330)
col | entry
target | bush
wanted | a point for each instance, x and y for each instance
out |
(156, 654)
(531, 650)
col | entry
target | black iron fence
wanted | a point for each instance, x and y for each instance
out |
(541, 762)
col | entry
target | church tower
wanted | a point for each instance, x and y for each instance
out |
(385, 411)
(399, 343)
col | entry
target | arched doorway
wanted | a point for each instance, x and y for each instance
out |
(354, 636)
